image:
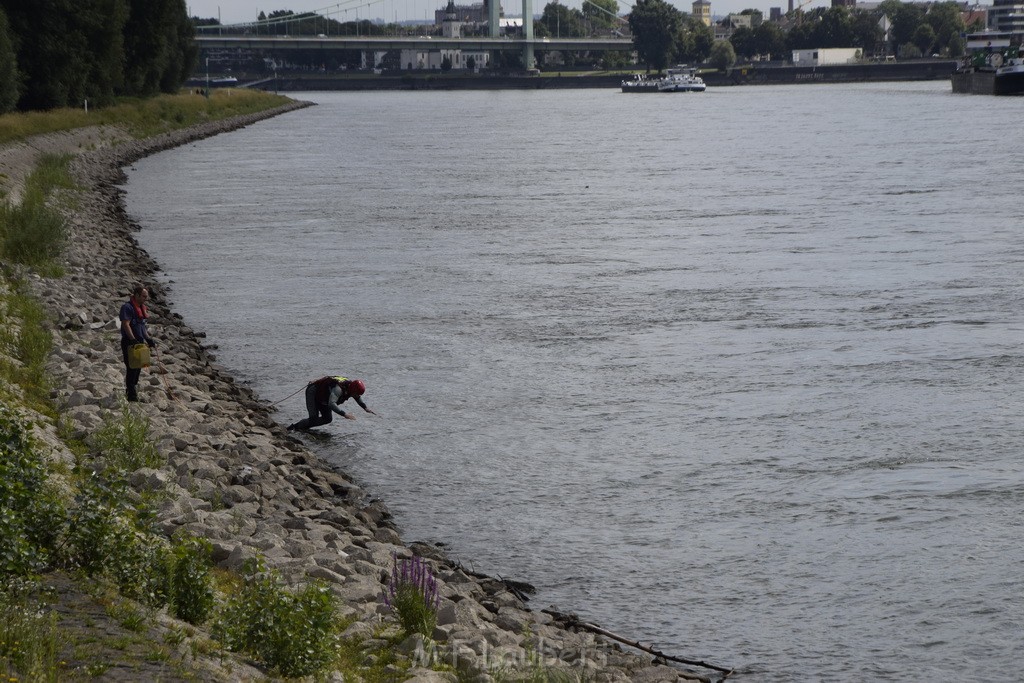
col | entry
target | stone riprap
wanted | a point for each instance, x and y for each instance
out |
(236, 477)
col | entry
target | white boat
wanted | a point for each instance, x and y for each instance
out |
(682, 79)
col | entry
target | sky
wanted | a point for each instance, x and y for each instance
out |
(237, 11)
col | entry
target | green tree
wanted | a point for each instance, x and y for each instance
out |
(947, 22)
(834, 29)
(743, 42)
(867, 33)
(924, 38)
(801, 37)
(561, 21)
(905, 21)
(693, 40)
(956, 46)
(471, 63)
(8, 68)
(160, 52)
(601, 13)
(910, 51)
(66, 50)
(770, 40)
(722, 55)
(655, 25)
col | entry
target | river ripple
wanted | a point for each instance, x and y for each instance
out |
(737, 374)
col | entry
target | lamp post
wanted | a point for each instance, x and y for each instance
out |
(207, 78)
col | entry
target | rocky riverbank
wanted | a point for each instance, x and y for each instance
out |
(237, 478)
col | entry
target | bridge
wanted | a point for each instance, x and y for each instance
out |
(384, 43)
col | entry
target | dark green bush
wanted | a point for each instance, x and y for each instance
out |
(31, 514)
(292, 632)
(191, 586)
(108, 535)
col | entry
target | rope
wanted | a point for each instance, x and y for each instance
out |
(288, 396)
(162, 371)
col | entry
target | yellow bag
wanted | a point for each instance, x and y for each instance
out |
(138, 356)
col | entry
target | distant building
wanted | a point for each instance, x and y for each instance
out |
(430, 60)
(844, 3)
(467, 14)
(823, 56)
(1006, 15)
(974, 14)
(451, 27)
(453, 19)
(702, 10)
(775, 14)
(740, 21)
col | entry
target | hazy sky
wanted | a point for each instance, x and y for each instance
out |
(236, 11)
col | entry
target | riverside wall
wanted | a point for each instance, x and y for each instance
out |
(751, 74)
(234, 476)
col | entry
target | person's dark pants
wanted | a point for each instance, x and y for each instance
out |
(131, 376)
(319, 413)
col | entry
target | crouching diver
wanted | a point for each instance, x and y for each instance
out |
(325, 395)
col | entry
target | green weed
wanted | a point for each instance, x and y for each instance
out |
(24, 336)
(30, 640)
(124, 441)
(33, 234)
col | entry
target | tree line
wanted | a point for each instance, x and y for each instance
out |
(60, 53)
(663, 34)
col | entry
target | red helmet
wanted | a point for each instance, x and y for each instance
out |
(356, 387)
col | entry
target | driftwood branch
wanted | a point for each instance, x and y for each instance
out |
(572, 620)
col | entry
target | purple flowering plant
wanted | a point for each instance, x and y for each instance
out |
(412, 595)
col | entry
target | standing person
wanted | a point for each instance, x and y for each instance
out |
(327, 394)
(133, 331)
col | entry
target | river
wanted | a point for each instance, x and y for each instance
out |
(735, 374)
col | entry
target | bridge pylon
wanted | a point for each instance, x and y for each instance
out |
(528, 60)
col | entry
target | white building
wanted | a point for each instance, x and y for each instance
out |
(430, 60)
(823, 56)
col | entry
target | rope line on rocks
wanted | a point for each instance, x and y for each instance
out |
(162, 371)
(571, 620)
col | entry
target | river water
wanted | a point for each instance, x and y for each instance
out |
(738, 374)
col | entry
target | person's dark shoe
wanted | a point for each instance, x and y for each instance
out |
(132, 397)
(291, 427)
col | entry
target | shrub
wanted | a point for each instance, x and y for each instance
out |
(107, 536)
(412, 595)
(31, 513)
(190, 584)
(292, 632)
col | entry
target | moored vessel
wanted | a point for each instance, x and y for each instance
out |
(994, 65)
(677, 79)
(682, 79)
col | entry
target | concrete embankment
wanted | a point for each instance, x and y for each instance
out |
(235, 477)
(750, 74)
